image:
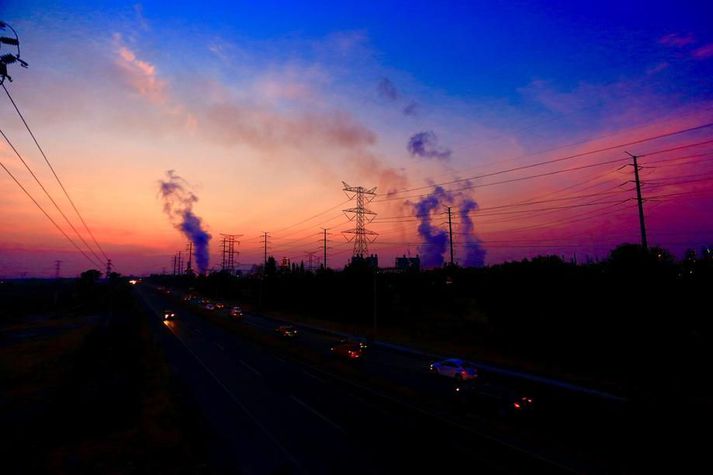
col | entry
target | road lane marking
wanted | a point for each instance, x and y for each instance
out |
(313, 376)
(221, 347)
(250, 368)
(270, 436)
(318, 414)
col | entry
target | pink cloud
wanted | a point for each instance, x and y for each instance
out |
(676, 40)
(141, 76)
(704, 52)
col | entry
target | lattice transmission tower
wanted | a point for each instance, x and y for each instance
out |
(361, 236)
(229, 253)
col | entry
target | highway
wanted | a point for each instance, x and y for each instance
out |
(276, 405)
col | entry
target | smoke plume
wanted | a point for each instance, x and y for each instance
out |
(474, 252)
(387, 90)
(425, 145)
(435, 239)
(178, 205)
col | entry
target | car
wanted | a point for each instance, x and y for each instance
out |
(236, 312)
(362, 344)
(209, 306)
(169, 314)
(454, 368)
(494, 397)
(287, 331)
(219, 305)
(351, 350)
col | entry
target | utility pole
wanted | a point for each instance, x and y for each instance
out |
(642, 224)
(265, 240)
(174, 264)
(363, 197)
(189, 249)
(108, 268)
(324, 248)
(57, 265)
(450, 232)
(180, 263)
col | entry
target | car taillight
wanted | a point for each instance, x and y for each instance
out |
(516, 404)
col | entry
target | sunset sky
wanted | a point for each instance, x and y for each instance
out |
(264, 108)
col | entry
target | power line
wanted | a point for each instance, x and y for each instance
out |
(55, 174)
(47, 193)
(588, 140)
(484, 212)
(556, 160)
(46, 214)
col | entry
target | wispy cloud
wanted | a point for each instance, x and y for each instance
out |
(410, 109)
(387, 89)
(139, 74)
(677, 40)
(704, 52)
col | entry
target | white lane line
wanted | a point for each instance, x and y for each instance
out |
(250, 368)
(317, 413)
(221, 347)
(244, 408)
(313, 376)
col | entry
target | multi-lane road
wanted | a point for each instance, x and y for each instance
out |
(277, 405)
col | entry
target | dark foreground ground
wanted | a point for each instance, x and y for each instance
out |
(94, 381)
(86, 390)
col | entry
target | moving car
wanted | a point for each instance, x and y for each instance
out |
(169, 314)
(454, 368)
(236, 312)
(351, 350)
(360, 342)
(209, 306)
(287, 331)
(493, 397)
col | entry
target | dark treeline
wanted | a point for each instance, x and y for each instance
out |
(636, 319)
(62, 297)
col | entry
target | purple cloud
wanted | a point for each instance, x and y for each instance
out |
(387, 90)
(425, 145)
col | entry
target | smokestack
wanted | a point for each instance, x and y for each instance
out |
(178, 206)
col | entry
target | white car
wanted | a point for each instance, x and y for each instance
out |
(454, 368)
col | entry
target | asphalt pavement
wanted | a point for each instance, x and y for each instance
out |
(277, 406)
